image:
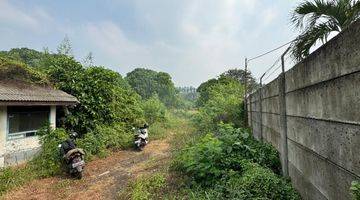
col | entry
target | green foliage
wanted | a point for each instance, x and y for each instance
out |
(105, 98)
(105, 138)
(48, 162)
(14, 177)
(254, 182)
(258, 183)
(145, 187)
(28, 56)
(202, 161)
(239, 144)
(222, 103)
(147, 83)
(355, 190)
(241, 76)
(154, 110)
(231, 164)
(14, 70)
(316, 19)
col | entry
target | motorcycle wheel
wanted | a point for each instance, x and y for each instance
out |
(78, 175)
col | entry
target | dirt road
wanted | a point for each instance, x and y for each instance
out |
(103, 178)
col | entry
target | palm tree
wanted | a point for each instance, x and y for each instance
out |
(317, 19)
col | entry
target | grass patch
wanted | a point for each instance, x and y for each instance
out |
(144, 187)
(15, 177)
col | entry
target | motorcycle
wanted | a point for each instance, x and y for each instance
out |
(141, 137)
(73, 157)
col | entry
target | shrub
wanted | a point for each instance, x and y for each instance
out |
(154, 110)
(202, 161)
(239, 144)
(258, 183)
(92, 144)
(48, 161)
(104, 138)
(355, 190)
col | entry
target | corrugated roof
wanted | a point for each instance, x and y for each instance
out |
(16, 91)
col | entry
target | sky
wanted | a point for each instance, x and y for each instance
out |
(192, 40)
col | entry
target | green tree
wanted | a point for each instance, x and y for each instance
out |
(223, 103)
(316, 19)
(239, 74)
(147, 83)
(65, 47)
(105, 98)
(28, 56)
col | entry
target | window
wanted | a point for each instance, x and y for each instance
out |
(24, 121)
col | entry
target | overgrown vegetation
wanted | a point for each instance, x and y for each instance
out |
(220, 101)
(224, 161)
(145, 187)
(355, 190)
(155, 110)
(108, 109)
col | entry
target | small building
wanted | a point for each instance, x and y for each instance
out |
(24, 108)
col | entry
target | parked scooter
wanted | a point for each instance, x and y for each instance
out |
(141, 137)
(73, 157)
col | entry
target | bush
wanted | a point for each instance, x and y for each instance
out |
(105, 138)
(154, 110)
(258, 183)
(355, 190)
(48, 161)
(239, 144)
(202, 161)
(231, 164)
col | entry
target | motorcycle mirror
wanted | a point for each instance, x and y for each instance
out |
(59, 145)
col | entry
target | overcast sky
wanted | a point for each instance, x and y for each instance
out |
(193, 40)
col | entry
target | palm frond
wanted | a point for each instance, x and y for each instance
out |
(353, 13)
(302, 45)
(306, 14)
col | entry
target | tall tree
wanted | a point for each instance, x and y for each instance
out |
(65, 48)
(316, 19)
(147, 83)
(241, 76)
(88, 60)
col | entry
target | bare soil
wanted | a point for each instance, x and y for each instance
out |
(103, 178)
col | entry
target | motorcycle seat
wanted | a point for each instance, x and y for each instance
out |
(72, 151)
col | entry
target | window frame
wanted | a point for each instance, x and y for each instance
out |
(13, 136)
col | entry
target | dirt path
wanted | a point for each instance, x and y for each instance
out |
(103, 178)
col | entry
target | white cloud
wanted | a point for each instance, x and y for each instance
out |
(30, 19)
(210, 38)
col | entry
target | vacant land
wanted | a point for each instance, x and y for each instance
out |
(103, 178)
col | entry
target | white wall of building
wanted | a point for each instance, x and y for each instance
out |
(3, 124)
(17, 151)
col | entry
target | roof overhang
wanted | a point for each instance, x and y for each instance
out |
(36, 103)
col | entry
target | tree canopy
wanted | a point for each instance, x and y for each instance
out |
(148, 82)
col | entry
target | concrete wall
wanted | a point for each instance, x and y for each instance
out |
(318, 132)
(18, 151)
(3, 121)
